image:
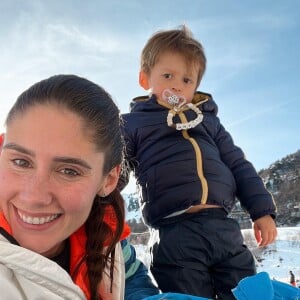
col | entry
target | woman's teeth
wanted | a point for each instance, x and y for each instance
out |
(37, 220)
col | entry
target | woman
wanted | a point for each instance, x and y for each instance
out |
(61, 215)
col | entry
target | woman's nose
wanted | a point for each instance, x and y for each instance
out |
(36, 191)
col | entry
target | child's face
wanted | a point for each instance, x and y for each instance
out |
(174, 73)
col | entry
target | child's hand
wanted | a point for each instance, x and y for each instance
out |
(265, 231)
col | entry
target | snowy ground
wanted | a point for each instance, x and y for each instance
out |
(276, 259)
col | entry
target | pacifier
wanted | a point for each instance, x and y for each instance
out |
(173, 99)
(179, 104)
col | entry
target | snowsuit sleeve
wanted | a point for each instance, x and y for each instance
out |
(251, 191)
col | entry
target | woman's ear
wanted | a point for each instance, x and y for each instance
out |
(143, 80)
(110, 181)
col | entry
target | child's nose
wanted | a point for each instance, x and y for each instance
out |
(177, 85)
(176, 89)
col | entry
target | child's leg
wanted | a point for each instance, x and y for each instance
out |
(183, 280)
(236, 261)
(180, 259)
(203, 255)
(228, 274)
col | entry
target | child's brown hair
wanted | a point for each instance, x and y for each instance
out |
(178, 40)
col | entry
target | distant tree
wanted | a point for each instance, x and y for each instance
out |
(133, 204)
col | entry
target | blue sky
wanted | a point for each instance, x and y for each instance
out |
(252, 48)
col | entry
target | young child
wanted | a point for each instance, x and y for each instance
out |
(190, 173)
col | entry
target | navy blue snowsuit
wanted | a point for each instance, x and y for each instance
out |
(178, 169)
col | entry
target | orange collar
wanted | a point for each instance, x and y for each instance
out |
(4, 224)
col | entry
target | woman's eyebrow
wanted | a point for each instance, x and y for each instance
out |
(62, 159)
(72, 160)
(18, 148)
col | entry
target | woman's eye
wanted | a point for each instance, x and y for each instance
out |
(69, 172)
(21, 163)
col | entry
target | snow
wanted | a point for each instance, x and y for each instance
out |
(276, 259)
(134, 215)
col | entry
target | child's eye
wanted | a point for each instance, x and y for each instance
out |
(167, 76)
(21, 163)
(187, 80)
(70, 172)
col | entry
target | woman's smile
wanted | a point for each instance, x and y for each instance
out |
(37, 220)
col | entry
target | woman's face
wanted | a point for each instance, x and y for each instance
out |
(49, 175)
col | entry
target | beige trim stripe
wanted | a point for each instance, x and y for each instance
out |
(198, 159)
